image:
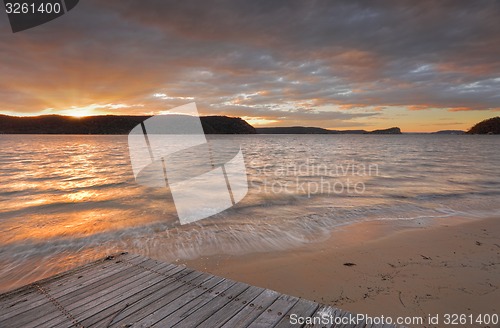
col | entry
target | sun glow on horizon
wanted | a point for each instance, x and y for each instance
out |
(259, 121)
(79, 113)
(89, 110)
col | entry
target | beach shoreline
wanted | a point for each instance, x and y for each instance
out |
(380, 268)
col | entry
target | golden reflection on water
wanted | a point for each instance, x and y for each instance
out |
(71, 225)
(82, 195)
(69, 187)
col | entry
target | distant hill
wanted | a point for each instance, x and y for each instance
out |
(313, 130)
(293, 130)
(351, 131)
(394, 130)
(489, 126)
(226, 125)
(108, 124)
(449, 132)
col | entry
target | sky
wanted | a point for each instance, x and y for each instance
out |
(419, 65)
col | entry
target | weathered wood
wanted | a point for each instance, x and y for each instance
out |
(46, 308)
(42, 306)
(83, 304)
(167, 316)
(303, 307)
(211, 304)
(224, 313)
(322, 312)
(68, 281)
(41, 303)
(134, 291)
(138, 300)
(94, 278)
(114, 306)
(348, 324)
(252, 309)
(67, 274)
(275, 312)
(158, 298)
(131, 276)
(93, 304)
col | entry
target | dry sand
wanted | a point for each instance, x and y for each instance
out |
(452, 266)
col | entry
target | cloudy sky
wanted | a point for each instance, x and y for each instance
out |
(419, 65)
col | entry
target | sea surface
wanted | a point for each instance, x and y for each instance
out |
(67, 200)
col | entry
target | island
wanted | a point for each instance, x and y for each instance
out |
(489, 126)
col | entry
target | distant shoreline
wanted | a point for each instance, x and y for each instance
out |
(123, 124)
(108, 125)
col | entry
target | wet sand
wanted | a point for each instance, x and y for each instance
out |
(382, 268)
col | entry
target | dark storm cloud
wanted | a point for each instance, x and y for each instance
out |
(283, 60)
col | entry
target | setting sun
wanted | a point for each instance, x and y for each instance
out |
(78, 114)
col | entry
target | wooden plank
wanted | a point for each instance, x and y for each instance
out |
(81, 290)
(112, 291)
(252, 309)
(83, 278)
(41, 302)
(63, 275)
(37, 298)
(42, 306)
(175, 311)
(94, 307)
(91, 309)
(173, 301)
(303, 308)
(213, 305)
(324, 311)
(47, 307)
(94, 276)
(142, 293)
(161, 297)
(26, 297)
(348, 323)
(20, 296)
(224, 313)
(341, 319)
(113, 279)
(119, 297)
(275, 312)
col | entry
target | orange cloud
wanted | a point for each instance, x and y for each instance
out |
(463, 66)
(350, 106)
(419, 107)
(459, 109)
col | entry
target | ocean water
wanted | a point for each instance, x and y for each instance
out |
(68, 200)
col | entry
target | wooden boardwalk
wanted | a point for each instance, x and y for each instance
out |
(127, 290)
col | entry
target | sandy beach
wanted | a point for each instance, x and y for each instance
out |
(379, 268)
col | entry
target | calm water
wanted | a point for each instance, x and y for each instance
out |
(66, 200)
